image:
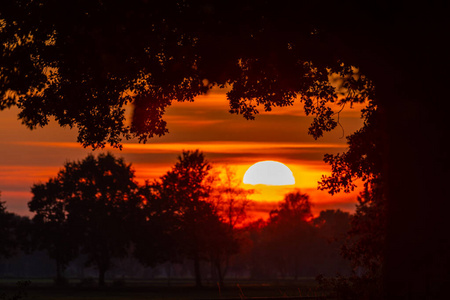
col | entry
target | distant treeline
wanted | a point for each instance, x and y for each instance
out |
(192, 222)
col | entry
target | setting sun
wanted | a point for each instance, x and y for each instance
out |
(269, 173)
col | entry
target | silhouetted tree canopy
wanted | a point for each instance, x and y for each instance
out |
(51, 229)
(82, 62)
(229, 198)
(155, 227)
(230, 202)
(290, 235)
(367, 236)
(293, 244)
(332, 228)
(334, 224)
(185, 188)
(362, 161)
(9, 228)
(90, 205)
(295, 206)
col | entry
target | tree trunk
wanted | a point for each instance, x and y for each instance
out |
(416, 168)
(219, 272)
(295, 269)
(169, 273)
(417, 254)
(101, 276)
(198, 277)
(212, 267)
(60, 280)
(408, 62)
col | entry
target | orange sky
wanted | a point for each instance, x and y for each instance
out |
(28, 157)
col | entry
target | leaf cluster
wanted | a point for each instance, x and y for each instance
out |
(362, 160)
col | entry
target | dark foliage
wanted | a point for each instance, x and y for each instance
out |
(154, 228)
(51, 230)
(230, 202)
(21, 292)
(292, 244)
(82, 63)
(13, 233)
(196, 223)
(87, 206)
(362, 162)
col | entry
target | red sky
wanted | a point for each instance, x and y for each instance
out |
(28, 157)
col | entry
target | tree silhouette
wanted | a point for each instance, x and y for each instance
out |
(290, 236)
(185, 189)
(295, 205)
(230, 199)
(292, 244)
(156, 228)
(333, 227)
(219, 244)
(9, 242)
(368, 235)
(51, 229)
(230, 202)
(363, 161)
(84, 61)
(94, 199)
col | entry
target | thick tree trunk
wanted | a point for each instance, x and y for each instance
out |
(408, 62)
(416, 167)
(417, 254)
(417, 247)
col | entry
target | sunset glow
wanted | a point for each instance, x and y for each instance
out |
(29, 157)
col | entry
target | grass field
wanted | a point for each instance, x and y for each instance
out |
(41, 289)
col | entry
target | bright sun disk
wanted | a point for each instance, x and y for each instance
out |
(269, 173)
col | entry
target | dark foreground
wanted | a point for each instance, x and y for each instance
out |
(151, 290)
